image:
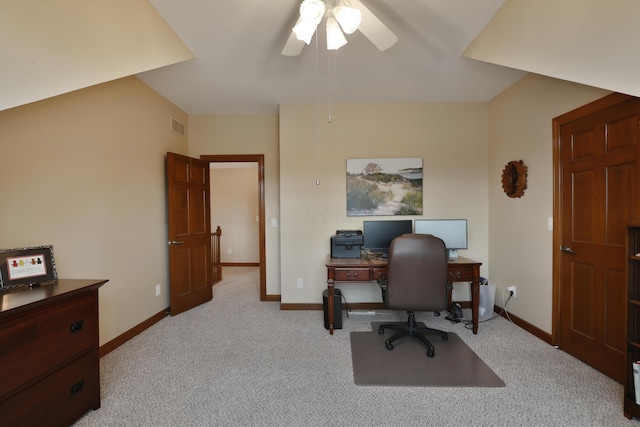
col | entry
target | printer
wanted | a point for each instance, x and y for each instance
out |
(346, 244)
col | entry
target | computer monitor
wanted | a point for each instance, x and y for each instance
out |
(452, 231)
(379, 234)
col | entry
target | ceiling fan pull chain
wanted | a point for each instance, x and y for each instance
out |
(330, 86)
(317, 116)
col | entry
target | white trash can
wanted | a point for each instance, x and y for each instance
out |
(487, 301)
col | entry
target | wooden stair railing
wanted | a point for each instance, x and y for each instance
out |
(215, 255)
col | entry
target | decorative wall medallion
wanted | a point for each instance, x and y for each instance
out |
(514, 178)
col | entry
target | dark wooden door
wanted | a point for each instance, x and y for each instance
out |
(599, 184)
(189, 232)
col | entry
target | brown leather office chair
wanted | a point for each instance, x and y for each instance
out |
(416, 281)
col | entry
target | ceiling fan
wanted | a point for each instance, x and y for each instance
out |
(342, 16)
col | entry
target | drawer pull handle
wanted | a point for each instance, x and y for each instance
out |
(77, 326)
(354, 275)
(77, 387)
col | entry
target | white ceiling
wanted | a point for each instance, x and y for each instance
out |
(592, 42)
(224, 57)
(238, 66)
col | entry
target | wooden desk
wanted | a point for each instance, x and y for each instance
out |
(366, 270)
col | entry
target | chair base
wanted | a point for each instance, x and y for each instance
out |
(412, 330)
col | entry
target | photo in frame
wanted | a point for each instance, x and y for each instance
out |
(31, 266)
(387, 186)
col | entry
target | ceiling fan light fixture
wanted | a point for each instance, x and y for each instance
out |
(304, 30)
(311, 13)
(312, 10)
(335, 38)
(349, 18)
(350, 15)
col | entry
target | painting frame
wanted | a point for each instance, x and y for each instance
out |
(29, 266)
(384, 186)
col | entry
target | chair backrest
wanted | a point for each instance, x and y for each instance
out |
(417, 273)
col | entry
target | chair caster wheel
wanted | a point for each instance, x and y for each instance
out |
(381, 330)
(436, 313)
(389, 346)
(431, 352)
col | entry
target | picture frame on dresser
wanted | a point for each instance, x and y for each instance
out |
(29, 266)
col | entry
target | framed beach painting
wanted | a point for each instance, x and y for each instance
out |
(391, 186)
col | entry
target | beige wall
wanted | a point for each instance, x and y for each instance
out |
(520, 245)
(234, 208)
(452, 139)
(247, 134)
(85, 172)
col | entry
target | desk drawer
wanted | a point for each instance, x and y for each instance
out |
(461, 274)
(352, 275)
(378, 273)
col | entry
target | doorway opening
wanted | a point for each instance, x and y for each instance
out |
(259, 160)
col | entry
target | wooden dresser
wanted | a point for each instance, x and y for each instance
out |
(49, 359)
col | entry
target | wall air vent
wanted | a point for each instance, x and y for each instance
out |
(177, 127)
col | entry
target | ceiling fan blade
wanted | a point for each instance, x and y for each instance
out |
(374, 29)
(293, 47)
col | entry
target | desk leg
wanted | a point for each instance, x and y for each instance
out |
(475, 297)
(330, 304)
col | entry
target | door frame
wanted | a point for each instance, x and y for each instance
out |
(558, 122)
(252, 158)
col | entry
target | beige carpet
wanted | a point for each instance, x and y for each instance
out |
(454, 363)
(239, 361)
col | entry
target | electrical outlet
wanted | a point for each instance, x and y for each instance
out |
(512, 289)
(158, 290)
(229, 251)
(300, 283)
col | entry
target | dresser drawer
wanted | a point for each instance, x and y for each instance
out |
(352, 275)
(45, 338)
(75, 387)
(461, 274)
